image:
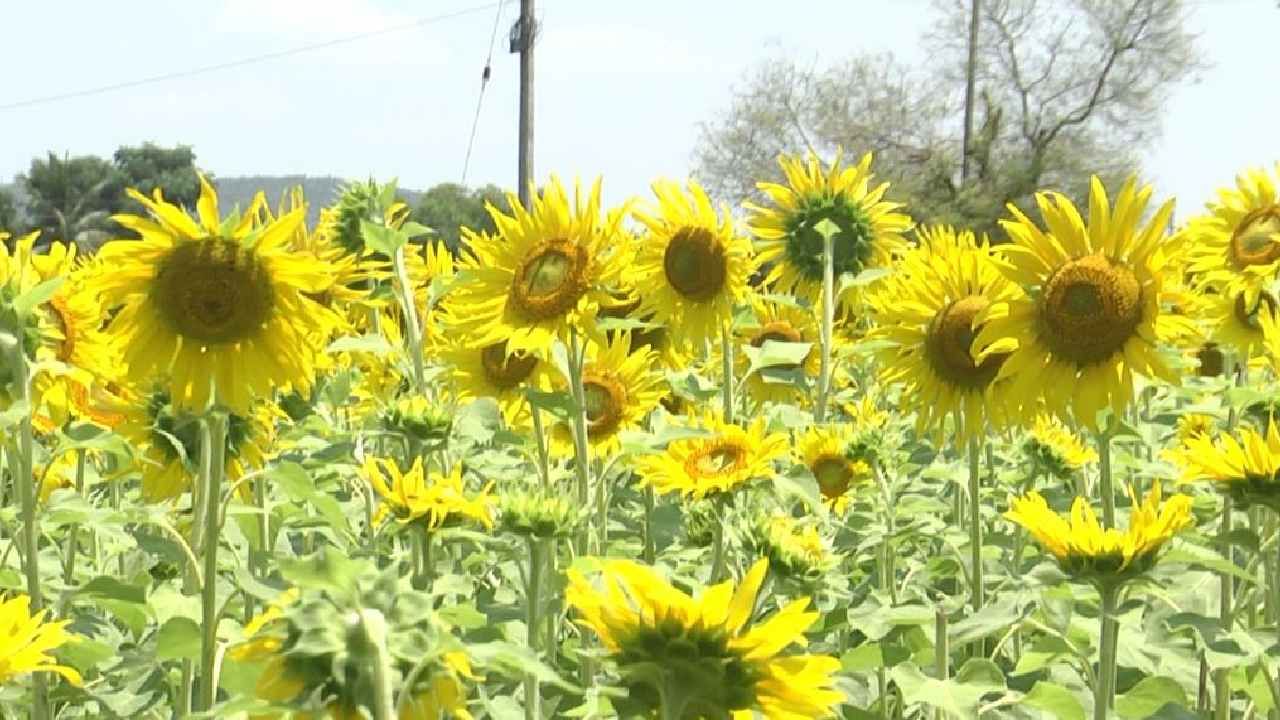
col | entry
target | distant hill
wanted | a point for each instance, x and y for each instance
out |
(319, 191)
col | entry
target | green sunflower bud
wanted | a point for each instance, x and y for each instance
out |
(539, 514)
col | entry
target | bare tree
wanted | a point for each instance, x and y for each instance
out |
(1065, 89)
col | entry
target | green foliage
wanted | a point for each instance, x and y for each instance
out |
(448, 207)
(150, 166)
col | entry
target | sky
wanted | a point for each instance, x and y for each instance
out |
(621, 87)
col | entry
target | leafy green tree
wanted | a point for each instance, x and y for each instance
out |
(149, 166)
(1063, 90)
(8, 211)
(448, 207)
(70, 196)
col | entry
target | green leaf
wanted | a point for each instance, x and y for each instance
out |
(381, 238)
(109, 588)
(1148, 696)
(328, 569)
(372, 343)
(981, 672)
(989, 621)
(862, 279)
(560, 404)
(952, 697)
(873, 656)
(613, 323)
(178, 639)
(774, 353)
(413, 229)
(1055, 700)
(27, 301)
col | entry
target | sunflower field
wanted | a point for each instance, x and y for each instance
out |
(671, 460)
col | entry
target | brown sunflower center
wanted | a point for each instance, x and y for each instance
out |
(714, 459)
(1089, 309)
(833, 474)
(949, 341)
(550, 280)
(1212, 361)
(604, 398)
(1253, 241)
(694, 263)
(1248, 313)
(213, 292)
(503, 370)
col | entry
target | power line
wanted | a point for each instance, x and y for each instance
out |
(484, 83)
(248, 60)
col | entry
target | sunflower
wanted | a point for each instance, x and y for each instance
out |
(1192, 425)
(787, 239)
(1089, 551)
(1055, 450)
(783, 323)
(704, 657)
(829, 453)
(927, 315)
(1245, 465)
(216, 309)
(726, 458)
(167, 440)
(26, 639)
(1235, 246)
(431, 500)
(73, 355)
(1235, 320)
(795, 551)
(1091, 315)
(692, 267)
(349, 274)
(620, 389)
(548, 271)
(493, 370)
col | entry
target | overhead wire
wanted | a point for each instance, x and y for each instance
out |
(484, 84)
(192, 72)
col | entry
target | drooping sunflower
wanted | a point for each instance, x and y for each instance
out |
(167, 441)
(783, 323)
(494, 370)
(1092, 312)
(1244, 464)
(704, 655)
(26, 639)
(796, 551)
(828, 451)
(1087, 550)
(927, 315)
(787, 239)
(713, 465)
(1235, 246)
(621, 388)
(549, 269)
(1235, 320)
(1055, 450)
(692, 266)
(218, 310)
(431, 500)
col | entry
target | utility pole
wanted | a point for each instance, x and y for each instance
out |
(968, 91)
(523, 35)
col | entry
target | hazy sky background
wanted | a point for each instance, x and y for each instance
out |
(621, 86)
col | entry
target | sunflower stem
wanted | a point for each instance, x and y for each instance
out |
(1226, 590)
(717, 553)
(941, 651)
(532, 599)
(1106, 485)
(413, 336)
(540, 435)
(650, 549)
(214, 431)
(20, 464)
(1104, 690)
(977, 591)
(73, 539)
(726, 369)
(828, 323)
(890, 521)
(374, 629)
(258, 555)
(581, 459)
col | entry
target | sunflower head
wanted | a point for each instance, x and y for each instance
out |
(868, 230)
(797, 552)
(620, 388)
(836, 460)
(1192, 425)
(1055, 450)
(1104, 556)
(1235, 245)
(724, 459)
(368, 202)
(1245, 464)
(538, 513)
(1090, 313)
(428, 500)
(702, 656)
